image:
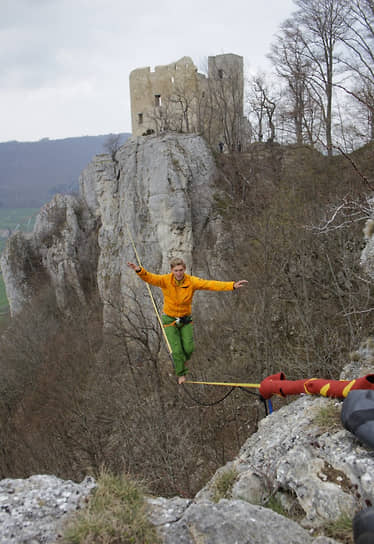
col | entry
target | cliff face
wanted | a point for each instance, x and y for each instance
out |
(159, 192)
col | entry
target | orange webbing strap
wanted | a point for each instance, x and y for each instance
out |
(151, 297)
(249, 385)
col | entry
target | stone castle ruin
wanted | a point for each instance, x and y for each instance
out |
(176, 97)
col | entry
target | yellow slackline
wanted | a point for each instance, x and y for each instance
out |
(249, 385)
(151, 296)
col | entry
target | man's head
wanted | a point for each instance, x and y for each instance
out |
(178, 268)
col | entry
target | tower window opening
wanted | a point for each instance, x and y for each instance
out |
(157, 100)
(220, 73)
(140, 118)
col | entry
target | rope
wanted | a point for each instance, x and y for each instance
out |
(207, 403)
(260, 397)
(268, 409)
(233, 385)
(151, 297)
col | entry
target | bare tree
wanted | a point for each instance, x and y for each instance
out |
(324, 24)
(262, 104)
(358, 58)
(292, 66)
(178, 110)
(112, 145)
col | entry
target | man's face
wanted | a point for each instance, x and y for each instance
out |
(178, 272)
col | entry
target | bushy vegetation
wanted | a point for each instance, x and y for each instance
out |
(74, 398)
(304, 310)
(223, 484)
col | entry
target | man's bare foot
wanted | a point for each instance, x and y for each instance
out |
(181, 379)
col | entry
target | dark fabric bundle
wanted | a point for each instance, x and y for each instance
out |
(358, 415)
(363, 526)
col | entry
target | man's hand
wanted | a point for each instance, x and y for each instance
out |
(135, 267)
(240, 283)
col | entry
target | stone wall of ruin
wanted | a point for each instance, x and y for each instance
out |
(176, 97)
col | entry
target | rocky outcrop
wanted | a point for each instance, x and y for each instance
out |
(32, 510)
(158, 196)
(61, 253)
(315, 478)
(227, 521)
(158, 192)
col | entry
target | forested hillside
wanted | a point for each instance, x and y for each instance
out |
(32, 172)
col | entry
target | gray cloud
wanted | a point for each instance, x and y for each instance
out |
(72, 58)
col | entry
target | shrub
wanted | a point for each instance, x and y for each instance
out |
(223, 485)
(275, 504)
(115, 513)
(289, 507)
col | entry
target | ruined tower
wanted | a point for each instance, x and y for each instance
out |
(176, 97)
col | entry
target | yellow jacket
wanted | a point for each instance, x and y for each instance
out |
(178, 298)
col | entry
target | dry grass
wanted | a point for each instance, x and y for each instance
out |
(115, 513)
(222, 487)
(340, 529)
(327, 417)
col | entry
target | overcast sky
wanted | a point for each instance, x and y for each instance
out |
(65, 64)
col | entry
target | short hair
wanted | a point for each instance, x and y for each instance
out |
(177, 261)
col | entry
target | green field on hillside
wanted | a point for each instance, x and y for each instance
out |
(22, 218)
(15, 218)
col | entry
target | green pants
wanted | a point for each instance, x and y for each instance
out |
(181, 343)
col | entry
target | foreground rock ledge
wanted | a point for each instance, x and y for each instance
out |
(32, 510)
(226, 522)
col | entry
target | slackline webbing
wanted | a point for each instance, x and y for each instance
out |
(151, 297)
(227, 384)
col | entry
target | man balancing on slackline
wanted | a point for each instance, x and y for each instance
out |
(178, 289)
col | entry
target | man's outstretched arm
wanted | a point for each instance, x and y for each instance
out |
(154, 279)
(214, 285)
